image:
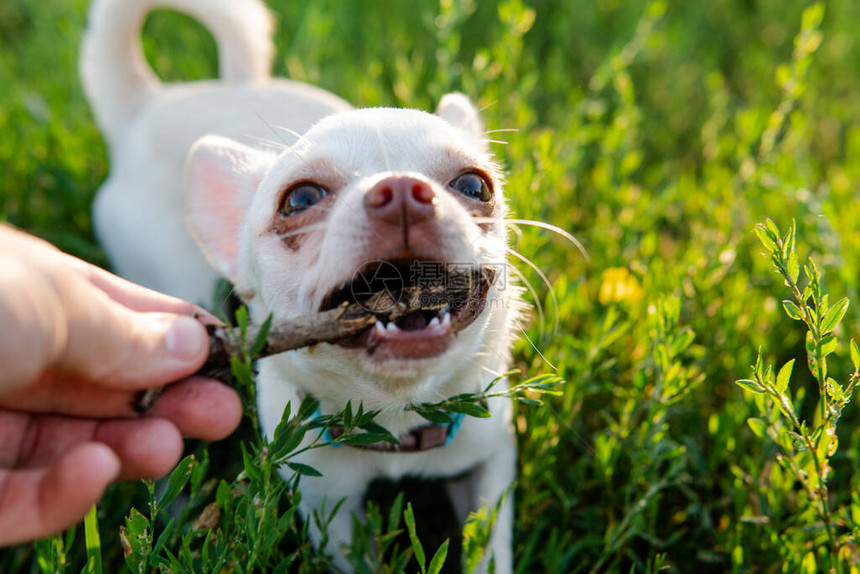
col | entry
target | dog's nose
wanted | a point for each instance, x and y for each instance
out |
(401, 199)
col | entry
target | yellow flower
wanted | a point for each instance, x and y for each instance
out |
(619, 286)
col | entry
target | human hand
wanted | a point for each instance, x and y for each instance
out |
(77, 346)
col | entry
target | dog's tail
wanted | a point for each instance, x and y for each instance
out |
(117, 80)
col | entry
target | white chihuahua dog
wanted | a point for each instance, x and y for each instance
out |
(362, 199)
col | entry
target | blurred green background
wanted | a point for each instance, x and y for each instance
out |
(658, 133)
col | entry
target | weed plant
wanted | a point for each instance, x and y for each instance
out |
(663, 135)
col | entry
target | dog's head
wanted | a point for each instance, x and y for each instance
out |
(366, 200)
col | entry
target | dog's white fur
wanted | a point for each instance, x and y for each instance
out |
(234, 193)
(150, 126)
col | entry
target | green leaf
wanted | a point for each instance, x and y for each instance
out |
(758, 426)
(833, 389)
(855, 355)
(308, 407)
(784, 376)
(765, 239)
(362, 417)
(438, 559)
(510, 373)
(365, 438)
(772, 228)
(287, 439)
(260, 341)
(681, 341)
(241, 371)
(792, 310)
(395, 512)
(409, 517)
(812, 17)
(304, 469)
(136, 523)
(347, 415)
(163, 538)
(250, 466)
(471, 409)
(434, 414)
(529, 402)
(177, 481)
(749, 385)
(828, 344)
(834, 316)
(93, 541)
(379, 431)
(809, 344)
(136, 541)
(242, 320)
(792, 266)
(224, 497)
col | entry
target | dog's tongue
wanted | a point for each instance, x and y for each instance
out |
(413, 322)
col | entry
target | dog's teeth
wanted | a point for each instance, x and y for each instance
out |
(392, 328)
(380, 328)
(446, 319)
(434, 322)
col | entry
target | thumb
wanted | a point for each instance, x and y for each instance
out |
(114, 346)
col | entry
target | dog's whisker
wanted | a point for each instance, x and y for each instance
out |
(269, 143)
(231, 293)
(288, 146)
(545, 360)
(543, 277)
(516, 231)
(496, 374)
(555, 229)
(487, 106)
(293, 133)
(500, 142)
(500, 130)
(533, 291)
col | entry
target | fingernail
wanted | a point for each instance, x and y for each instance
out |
(206, 317)
(185, 338)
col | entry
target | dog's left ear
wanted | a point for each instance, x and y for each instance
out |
(459, 111)
(221, 176)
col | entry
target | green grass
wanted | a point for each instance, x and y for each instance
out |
(659, 134)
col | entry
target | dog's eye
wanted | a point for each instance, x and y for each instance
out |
(472, 184)
(300, 197)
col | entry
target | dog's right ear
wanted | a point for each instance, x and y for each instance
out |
(221, 176)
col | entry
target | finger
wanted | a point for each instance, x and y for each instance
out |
(201, 408)
(42, 440)
(147, 448)
(39, 502)
(58, 393)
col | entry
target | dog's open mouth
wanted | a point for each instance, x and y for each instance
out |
(435, 301)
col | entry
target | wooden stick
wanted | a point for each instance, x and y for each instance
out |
(346, 321)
